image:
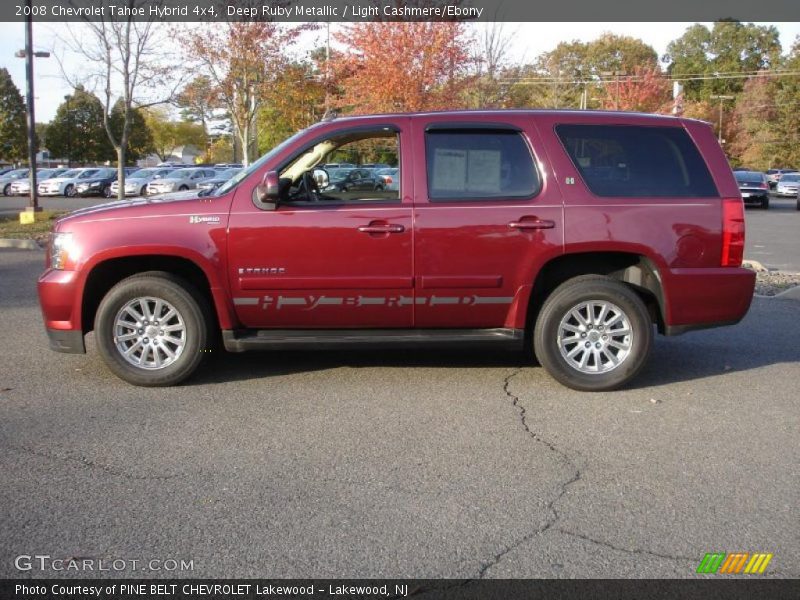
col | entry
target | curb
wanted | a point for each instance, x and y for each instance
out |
(19, 244)
(754, 265)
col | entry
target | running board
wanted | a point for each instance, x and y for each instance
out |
(287, 339)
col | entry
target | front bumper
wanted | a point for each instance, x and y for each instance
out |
(61, 309)
(703, 298)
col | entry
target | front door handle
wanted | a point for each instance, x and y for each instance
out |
(532, 223)
(386, 228)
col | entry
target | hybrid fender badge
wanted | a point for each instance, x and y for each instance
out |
(203, 219)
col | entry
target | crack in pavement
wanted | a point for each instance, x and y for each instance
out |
(551, 505)
(635, 551)
(89, 464)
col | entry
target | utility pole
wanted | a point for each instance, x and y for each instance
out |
(616, 75)
(28, 54)
(721, 100)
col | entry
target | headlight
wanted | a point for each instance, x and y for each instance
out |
(62, 250)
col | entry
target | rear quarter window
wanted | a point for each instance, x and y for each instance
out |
(632, 161)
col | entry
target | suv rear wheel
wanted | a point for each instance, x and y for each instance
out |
(152, 329)
(593, 333)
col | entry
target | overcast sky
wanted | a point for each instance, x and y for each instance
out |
(531, 39)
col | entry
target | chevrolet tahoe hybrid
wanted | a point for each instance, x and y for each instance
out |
(575, 234)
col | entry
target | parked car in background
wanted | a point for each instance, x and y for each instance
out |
(180, 180)
(136, 184)
(374, 166)
(98, 184)
(338, 166)
(354, 180)
(22, 186)
(228, 166)
(9, 178)
(391, 178)
(5, 170)
(64, 184)
(222, 176)
(774, 176)
(753, 187)
(787, 185)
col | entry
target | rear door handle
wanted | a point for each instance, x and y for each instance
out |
(532, 223)
(382, 228)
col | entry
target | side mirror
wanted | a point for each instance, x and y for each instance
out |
(321, 177)
(267, 193)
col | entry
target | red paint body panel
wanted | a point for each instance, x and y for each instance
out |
(453, 265)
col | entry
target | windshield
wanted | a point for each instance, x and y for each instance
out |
(87, 173)
(243, 174)
(792, 177)
(71, 174)
(144, 173)
(17, 174)
(744, 177)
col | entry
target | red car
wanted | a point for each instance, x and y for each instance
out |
(577, 233)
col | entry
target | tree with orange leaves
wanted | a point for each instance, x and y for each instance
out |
(644, 90)
(242, 61)
(402, 66)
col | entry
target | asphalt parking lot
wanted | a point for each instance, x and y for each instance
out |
(404, 464)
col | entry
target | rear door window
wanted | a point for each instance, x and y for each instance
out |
(632, 161)
(479, 164)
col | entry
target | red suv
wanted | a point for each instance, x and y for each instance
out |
(573, 232)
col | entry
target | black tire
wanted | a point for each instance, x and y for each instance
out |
(143, 191)
(69, 191)
(183, 188)
(765, 203)
(7, 190)
(570, 295)
(107, 191)
(189, 304)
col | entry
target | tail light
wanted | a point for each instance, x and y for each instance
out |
(732, 232)
(387, 179)
(764, 186)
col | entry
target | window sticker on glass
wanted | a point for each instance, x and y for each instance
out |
(450, 171)
(484, 171)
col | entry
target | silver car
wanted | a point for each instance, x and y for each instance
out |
(22, 186)
(180, 180)
(136, 184)
(788, 185)
(9, 178)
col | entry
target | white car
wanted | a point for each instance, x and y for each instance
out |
(180, 180)
(136, 184)
(64, 184)
(22, 186)
(788, 185)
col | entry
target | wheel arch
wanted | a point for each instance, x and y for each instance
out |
(638, 271)
(106, 273)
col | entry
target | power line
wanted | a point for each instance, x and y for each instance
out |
(549, 80)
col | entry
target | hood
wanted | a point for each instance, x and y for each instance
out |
(107, 209)
(62, 179)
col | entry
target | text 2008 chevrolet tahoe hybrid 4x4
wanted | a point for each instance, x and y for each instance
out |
(576, 232)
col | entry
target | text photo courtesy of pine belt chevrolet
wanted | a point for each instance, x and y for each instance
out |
(575, 234)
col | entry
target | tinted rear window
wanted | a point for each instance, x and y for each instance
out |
(631, 161)
(744, 177)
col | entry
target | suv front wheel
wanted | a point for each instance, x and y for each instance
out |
(152, 329)
(593, 333)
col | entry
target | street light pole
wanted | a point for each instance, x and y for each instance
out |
(34, 201)
(721, 100)
(28, 54)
